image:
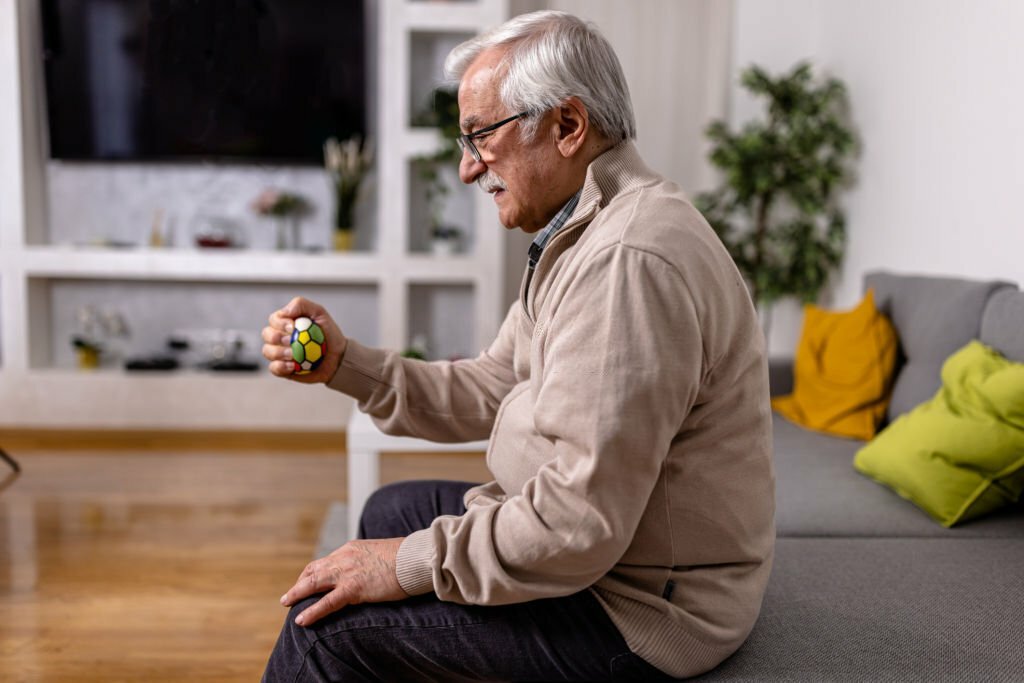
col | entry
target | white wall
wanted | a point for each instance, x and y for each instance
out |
(676, 56)
(11, 191)
(936, 101)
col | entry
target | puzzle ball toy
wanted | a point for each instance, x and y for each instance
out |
(308, 347)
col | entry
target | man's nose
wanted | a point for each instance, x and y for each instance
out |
(470, 169)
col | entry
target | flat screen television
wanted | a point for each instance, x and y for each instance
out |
(187, 80)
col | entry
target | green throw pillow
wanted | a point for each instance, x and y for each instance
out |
(959, 455)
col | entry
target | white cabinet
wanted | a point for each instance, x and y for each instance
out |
(384, 296)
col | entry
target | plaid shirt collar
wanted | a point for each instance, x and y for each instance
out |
(552, 228)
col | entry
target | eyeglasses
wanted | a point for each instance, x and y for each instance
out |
(466, 141)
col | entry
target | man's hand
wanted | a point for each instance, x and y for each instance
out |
(359, 571)
(277, 341)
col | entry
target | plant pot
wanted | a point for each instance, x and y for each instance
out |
(344, 240)
(88, 358)
(443, 247)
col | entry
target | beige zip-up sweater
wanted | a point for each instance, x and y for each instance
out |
(626, 402)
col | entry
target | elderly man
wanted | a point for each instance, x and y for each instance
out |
(628, 533)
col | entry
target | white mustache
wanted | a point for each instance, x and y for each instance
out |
(490, 182)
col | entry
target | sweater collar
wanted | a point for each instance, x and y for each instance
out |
(618, 170)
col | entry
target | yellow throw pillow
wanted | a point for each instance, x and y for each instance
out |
(842, 372)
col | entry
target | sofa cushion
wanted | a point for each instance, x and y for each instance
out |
(818, 493)
(780, 376)
(934, 316)
(1002, 325)
(961, 454)
(843, 369)
(887, 610)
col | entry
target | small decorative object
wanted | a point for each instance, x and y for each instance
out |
(87, 352)
(347, 163)
(216, 232)
(99, 334)
(308, 346)
(287, 208)
(216, 349)
(156, 230)
(226, 353)
(158, 363)
(444, 114)
(445, 240)
(417, 349)
(776, 210)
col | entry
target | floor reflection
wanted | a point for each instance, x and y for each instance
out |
(153, 567)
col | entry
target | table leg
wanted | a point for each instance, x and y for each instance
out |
(363, 479)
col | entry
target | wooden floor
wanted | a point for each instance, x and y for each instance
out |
(124, 564)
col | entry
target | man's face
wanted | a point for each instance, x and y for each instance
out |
(520, 176)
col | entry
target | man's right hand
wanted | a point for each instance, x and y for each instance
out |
(277, 341)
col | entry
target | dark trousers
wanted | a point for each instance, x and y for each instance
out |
(425, 639)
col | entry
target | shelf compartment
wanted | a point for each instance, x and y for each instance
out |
(154, 310)
(457, 209)
(99, 203)
(427, 52)
(444, 315)
(420, 141)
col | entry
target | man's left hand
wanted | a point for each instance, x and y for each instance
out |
(359, 571)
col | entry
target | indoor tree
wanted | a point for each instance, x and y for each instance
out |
(776, 210)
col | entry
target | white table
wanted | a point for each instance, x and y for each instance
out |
(366, 443)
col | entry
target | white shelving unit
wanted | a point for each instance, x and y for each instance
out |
(402, 24)
(35, 393)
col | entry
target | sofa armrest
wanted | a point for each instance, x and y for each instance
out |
(780, 376)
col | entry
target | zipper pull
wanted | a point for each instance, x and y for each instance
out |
(534, 255)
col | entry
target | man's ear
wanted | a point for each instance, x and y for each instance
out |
(572, 126)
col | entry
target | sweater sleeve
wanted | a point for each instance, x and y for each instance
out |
(439, 401)
(622, 365)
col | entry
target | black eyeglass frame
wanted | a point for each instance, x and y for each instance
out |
(466, 140)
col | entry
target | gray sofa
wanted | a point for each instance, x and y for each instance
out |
(865, 586)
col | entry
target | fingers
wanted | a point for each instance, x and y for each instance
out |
(278, 351)
(283, 319)
(318, 576)
(277, 342)
(331, 602)
(301, 306)
(281, 322)
(277, 335)
(359, 571)
(274, 337)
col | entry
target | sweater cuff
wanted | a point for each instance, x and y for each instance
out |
(360, 371)
(412, 565)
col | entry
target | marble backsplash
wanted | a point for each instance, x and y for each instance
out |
(94, 203)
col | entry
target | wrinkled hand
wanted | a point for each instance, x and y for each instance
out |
(277, 341)
(359, 571)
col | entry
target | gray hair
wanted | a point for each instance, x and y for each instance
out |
(553, 56)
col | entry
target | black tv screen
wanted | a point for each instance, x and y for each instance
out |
(227, 80)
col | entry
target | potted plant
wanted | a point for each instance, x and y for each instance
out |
(443, 114)
(347, 164)
(445, 240)
(776, 210)
(286, 208)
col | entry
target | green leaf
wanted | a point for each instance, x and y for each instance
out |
(786, 168)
